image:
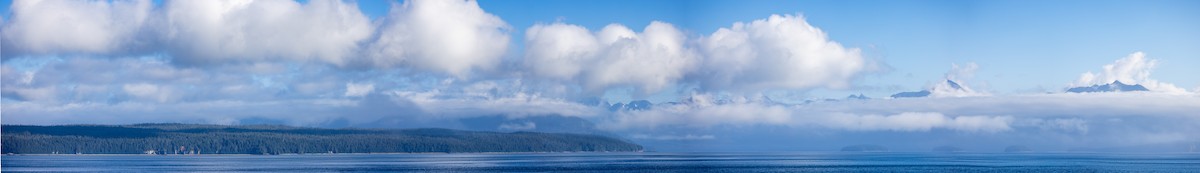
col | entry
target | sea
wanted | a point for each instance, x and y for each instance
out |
(615, 162)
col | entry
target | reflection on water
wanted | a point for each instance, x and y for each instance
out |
(610, 162)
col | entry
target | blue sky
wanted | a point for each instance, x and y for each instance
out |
(720, 75)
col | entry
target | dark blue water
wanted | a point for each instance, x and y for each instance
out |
(616, 162)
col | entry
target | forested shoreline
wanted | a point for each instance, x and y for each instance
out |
(266, 139)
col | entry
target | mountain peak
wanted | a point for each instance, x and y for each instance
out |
(953, 85)
(857, 97)
(1116, 86)
(949, 86)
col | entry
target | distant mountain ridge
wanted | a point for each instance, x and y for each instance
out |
(265, 139)
(911, 94)
(632, 105)
(1116, 86)
(950, 84)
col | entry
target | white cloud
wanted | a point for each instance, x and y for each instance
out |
(358, 90)
(559, 51)
(614, 56)
(437, 103)
(148, 91)
(779, 52)
(55, 27)
(920, 121)
(452, 37)
(962, 73)
(701, 112)
(40, 94)
(1132, 69)
(1064, 115)
(219, 31)
(1033, 105)
(751, 114)
(945, 89)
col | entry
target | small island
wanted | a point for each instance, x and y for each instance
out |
(273, 139)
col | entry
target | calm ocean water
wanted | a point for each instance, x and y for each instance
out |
(617, 162)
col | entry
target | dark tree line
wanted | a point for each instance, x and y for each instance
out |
(216, 139)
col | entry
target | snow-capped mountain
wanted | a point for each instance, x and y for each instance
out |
(947, 88)
(632, 105)
(1116, 86)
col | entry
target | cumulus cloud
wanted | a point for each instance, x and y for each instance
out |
(443, 37)
(1132, 69)
(452, 37)
(455, 38)
(779, 52)
(614, 56)
(222, 31)
(58, 27)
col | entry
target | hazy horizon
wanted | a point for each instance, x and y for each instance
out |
(673, 75)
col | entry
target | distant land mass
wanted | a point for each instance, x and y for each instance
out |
(922, 93)
(925, 93)
(273, 139)
(1116, 86)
